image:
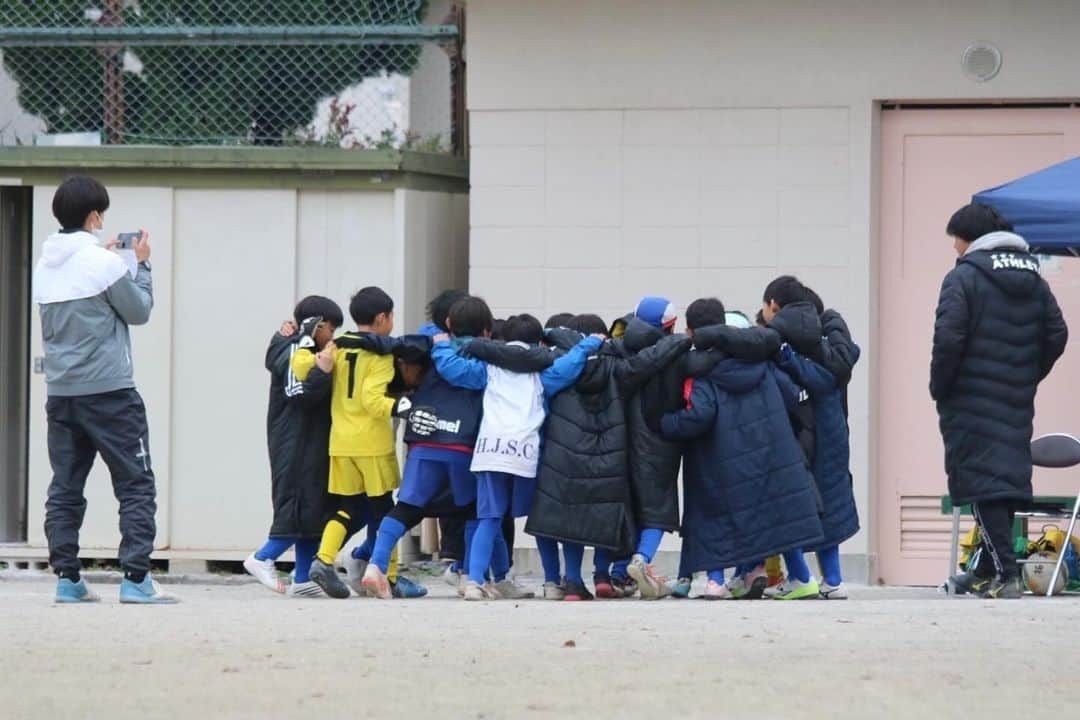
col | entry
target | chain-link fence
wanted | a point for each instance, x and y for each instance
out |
(349, 73)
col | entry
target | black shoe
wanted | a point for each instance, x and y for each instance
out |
(576, 591)
(1005, 589)
(326, 577)
(968, 582)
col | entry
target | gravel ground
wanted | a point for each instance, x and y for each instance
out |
(238, 651)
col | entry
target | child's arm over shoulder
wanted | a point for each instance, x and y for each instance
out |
(459, 371)
(634, 371)
(567, 368)
(373, 397)
(839, 351)
(302, 362)
(807, 373)
(789, 390)
(697, 417)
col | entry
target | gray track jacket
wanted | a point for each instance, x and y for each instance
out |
(88, 299)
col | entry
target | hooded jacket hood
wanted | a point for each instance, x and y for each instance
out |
(1005, 259)
(640, 335)
(738, 376)
(73, 266)
(800, 326)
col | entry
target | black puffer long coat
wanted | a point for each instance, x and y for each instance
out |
(998, 333)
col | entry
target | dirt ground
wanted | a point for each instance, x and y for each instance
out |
(238, 651)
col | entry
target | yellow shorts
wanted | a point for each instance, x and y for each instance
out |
(371, 476)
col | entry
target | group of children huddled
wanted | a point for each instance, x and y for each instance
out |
(577, 425)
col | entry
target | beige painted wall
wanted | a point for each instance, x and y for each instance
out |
(228, 267)
(699, 147)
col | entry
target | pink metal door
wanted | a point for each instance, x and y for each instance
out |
(932, 162)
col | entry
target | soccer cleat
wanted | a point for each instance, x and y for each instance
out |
(576, 592)
(148, 592)
(604, 587)
(475, 592)
(651, 585)
(326, 577)
(717, 591)
(406, 589)
(354, 573)
(375, 584)
(74, 592)
(305, 590)
(509, 590)
(792, 589)
(832, 592)
(749, 586)
(265, 572)
(1001, 589)
(554, 591)
(624, 587)
(680, 589)
(967, 582)
(452, 577)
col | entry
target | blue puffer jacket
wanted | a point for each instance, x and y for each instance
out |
(748, 494)
(832, 446)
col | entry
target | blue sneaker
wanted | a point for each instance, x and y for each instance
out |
(406, 589)
(71, 592)
(148, 592)
(680, 588)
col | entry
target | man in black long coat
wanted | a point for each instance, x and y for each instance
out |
(998, 333)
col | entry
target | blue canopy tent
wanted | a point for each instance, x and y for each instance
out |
(1044, 207)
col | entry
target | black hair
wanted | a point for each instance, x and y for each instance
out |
(319, 306)
(470, 317)
(497, 326)
(814, 299)
(523, 328)
(588, 324)
(971, 222)
(784, 290)
(558, 320)
(759, 319)
(368, 303)
(77, 197)
(439, 307)
(413, 350)
(704, 312)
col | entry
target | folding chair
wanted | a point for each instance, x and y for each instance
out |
(1058, 450)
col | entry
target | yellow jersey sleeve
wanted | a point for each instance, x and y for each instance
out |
(373, 397)
(302, 362)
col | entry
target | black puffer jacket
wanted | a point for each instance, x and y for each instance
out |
(998, 333)
(583, 490)
(654, 460)
(298, 437)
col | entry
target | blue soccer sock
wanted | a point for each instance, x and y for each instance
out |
(574, 555)
(829, 560)
(716, 575)
(305, 553)
(274, 548)
(500, 557)
(797, 569)
(482, 547)
(618, 570)
(602, 562)
(549, 558)
(390, 531)
(363, 550)
(470, 532)
(649, 543)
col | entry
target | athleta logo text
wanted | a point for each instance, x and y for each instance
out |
(1008, 261)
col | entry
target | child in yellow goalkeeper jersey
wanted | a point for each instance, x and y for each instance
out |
(363, 459)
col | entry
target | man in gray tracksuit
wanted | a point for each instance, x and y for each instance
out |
(88, 297)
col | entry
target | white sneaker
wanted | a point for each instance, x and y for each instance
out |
(452, 577)
(717, 591)
(650, 585)
(474, 591)
(832, 592)
(509, 590)
(265, 572)
(354, 573)
(305, 590)
(554, 591)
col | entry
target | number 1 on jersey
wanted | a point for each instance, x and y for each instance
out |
(351, 359)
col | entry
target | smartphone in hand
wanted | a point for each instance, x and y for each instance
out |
(125, 241)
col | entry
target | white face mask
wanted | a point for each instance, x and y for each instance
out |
(99, 232)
